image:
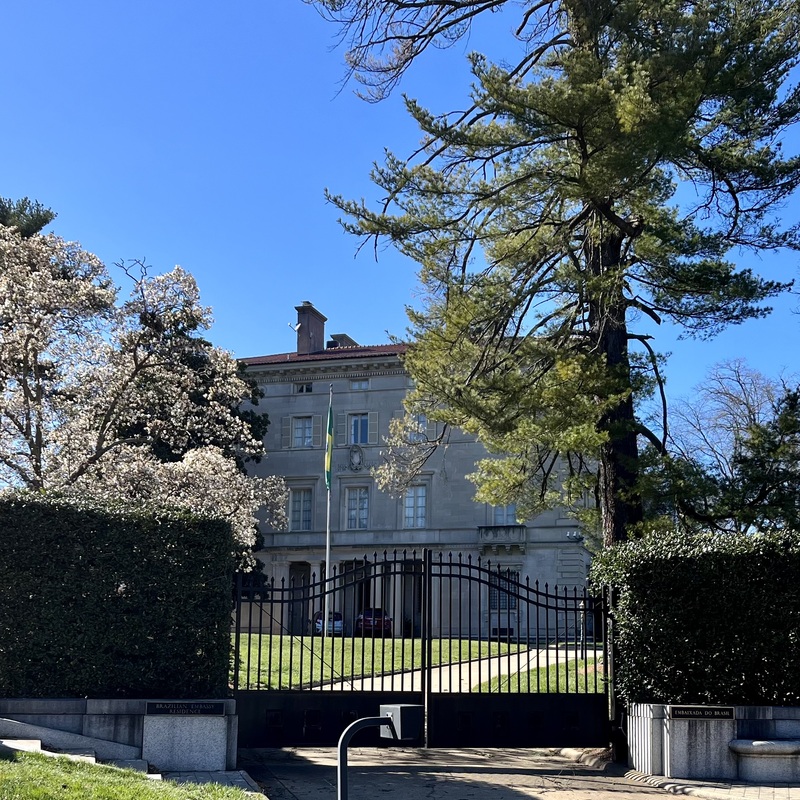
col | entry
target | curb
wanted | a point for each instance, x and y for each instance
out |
(582, 757)
(673, 787)
(669, 785)
(254, 787)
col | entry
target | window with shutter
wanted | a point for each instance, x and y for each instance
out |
(302, 432)
(358, 429)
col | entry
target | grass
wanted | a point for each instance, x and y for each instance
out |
(31, 776)
(282, 662)
(575, 677)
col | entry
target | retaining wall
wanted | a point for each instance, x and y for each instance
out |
(172, 735)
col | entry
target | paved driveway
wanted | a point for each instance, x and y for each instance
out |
(417, 774)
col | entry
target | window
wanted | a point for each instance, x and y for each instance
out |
(303, 388)
(415, 507)
(357, 508)
(359, 385)
(302, 432)
(419, 428)
(358, 429)
(502, 590)
(300, 509)
(305, 431)
(505, 515)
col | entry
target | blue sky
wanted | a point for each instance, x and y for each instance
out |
(204, 135)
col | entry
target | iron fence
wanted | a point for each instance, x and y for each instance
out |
(418, 622)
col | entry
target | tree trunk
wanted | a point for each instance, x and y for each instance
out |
(618, 499)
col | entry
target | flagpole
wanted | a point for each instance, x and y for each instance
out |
(328, 481)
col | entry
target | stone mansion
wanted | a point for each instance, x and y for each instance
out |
(437, 512)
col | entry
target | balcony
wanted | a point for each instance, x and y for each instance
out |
(502, 538)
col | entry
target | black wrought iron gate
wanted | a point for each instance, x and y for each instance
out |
(496, 660)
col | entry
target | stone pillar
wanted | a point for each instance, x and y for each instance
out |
(698, 748)
(646, 738)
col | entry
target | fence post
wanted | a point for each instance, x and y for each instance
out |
(427, 621)
(619, 739)
(238, 631)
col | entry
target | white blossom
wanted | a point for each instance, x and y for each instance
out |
(119, 399)
(204, 482)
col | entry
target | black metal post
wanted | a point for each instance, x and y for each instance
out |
(344, 740)
(619, 741)
(237, 635)
(427, 640)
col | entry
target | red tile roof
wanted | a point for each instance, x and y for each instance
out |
(330, 354)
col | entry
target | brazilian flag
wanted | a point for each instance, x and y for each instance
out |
(329, 447)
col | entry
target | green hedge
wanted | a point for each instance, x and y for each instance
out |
(112, 603)
(706, 619)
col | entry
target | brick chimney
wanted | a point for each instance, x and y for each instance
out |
(310, 329)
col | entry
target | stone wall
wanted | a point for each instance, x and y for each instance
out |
(694, 741)
(171, 735)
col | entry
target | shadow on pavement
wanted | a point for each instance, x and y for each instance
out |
(417, 774)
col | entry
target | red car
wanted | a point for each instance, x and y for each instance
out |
(373, 621)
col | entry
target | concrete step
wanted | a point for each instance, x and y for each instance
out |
(35, 746)
(88, 756)
(62, 740)
(27, 745)
(139, 764)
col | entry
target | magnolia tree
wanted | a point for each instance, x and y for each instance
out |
(121, 399)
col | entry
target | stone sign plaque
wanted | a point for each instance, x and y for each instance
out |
(189, 708)
(701, 712)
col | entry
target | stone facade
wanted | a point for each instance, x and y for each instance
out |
(439, 513)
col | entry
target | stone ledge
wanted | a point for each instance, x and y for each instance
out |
(767, 747)
(767, 760)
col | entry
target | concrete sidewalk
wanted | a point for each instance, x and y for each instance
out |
(473, 774)
(464, 676)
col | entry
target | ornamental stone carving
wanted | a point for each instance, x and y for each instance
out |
(506, 538)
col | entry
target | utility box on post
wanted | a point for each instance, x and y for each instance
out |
(407, 720)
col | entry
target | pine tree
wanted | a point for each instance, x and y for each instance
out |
(26, 216)
(600, 180)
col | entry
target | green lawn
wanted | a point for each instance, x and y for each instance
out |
(575, 677)
(30, 776)
(273, 662)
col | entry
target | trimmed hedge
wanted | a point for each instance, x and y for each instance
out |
(108, 603)
(706, 619)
